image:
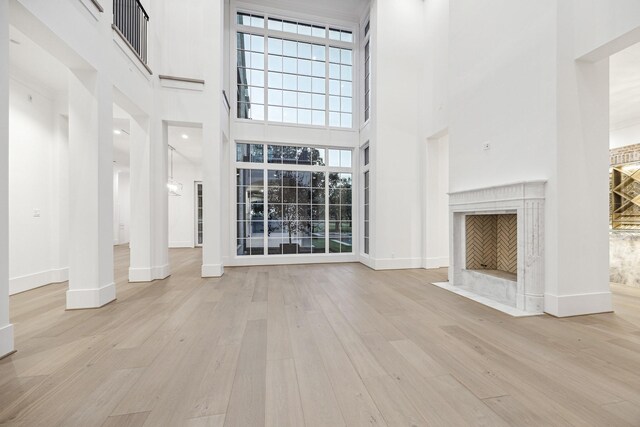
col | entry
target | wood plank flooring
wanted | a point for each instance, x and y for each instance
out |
(314, 345)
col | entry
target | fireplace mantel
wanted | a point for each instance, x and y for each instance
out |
(526, 200)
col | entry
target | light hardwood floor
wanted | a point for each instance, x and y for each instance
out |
(319, 345)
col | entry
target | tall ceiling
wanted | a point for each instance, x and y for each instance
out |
(625, 88)
(351, 10)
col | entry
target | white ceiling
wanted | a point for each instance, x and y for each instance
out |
(190, 149)
(625, 88)
(31, 63)
(350, 10)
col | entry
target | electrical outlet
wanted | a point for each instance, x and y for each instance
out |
(486, 146)
(36, 213)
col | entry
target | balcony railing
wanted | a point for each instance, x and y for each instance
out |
(130, 18)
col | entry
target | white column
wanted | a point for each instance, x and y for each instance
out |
(6, 328)
(91, 190)
(149, 248)
(212, 147)
(140, 268)
(160, 202)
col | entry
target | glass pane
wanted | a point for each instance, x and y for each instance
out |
(334, 34)
(257, 21)
(289, 99)
(346, 36)
(275, 80)
(318, 69)
(289, 82)
(257, 43)
(304, 29)
(275, 24)
(304, 50)
(346, 120)
(290, 65)
(318, 85)
(275, 97)
(318, 53)
(304, 84)
(243, 153)
(274, 155)
(275, 63)
(304, 117)
(334, 103)
(304, 100)
(304, 67)
(345, 56)
(345, 158)
(345, 105)
(275, 114)
(334, 158)
(318, 102)
(275, 46)
(290, 27)
(334, 87)
(318, 118)
(290, 48)
(334, 119)
(257, 153)
(334, 55)
(319, 32)
(318, 157)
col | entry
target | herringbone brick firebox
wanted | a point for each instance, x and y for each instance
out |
(492, 242)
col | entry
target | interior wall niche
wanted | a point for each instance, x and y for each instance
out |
(492, 242)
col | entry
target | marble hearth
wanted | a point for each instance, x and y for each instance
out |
(497, 246)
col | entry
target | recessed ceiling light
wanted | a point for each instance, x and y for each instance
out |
(185, 136)
(116, 132)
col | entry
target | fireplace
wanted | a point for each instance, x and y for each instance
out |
(492, 244)
(497, 246)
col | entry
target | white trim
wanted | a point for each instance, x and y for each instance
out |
(212, 270)
(36, 280)
(254, 260)
(512, 311)
(395, 263)
(6, 340)
(90, 298)
(181, 245)
(149, 274)
(436, 262)
(578, 304)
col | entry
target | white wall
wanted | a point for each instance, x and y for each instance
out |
(121, 206)
(397, 72)
(437, 202)
(622, 137)
(35, 239)
(182, 208)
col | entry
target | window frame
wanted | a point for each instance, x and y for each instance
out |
(265, 32)
(365, 168)
(265, 167)
(366, 40)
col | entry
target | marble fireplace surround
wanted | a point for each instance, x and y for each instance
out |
(526, 200)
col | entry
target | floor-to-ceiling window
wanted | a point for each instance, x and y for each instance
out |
(293, 200)
(294, 72)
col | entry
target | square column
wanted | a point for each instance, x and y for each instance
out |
(91, 190)
(6, 328)
(212, 144)
(149, 234)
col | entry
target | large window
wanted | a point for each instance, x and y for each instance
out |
(366, 181)
(302, 73)
(294, 200)
(367, 72)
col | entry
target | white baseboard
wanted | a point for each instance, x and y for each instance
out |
(36, 280)
(90, 298)
(149, 274)
(180, 245)
(577, 305)
(7, 345)
(212, 270)
(436, 262)
(395, 263)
